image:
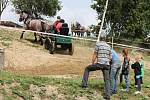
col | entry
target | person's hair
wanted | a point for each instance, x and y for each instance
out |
(62, 20)
(103, 35)
(58, 17)
(102, 38)
(125, 51)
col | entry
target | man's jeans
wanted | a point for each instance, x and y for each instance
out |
(115, 68)
(114, 79)
(105, 69)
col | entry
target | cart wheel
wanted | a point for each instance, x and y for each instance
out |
(71, 49)
(47, 43)
(52, 47)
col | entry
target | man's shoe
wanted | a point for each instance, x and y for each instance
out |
(105, 98)
(113, 92)
(137, 92)
(124, 90)
(84, 86)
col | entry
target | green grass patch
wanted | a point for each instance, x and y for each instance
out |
(70, 88)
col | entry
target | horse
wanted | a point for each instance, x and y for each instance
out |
(75, 28)
(34, 25)
(79, 30)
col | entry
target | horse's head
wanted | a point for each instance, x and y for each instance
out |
(23, 16)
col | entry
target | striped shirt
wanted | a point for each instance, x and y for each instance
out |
(103, 51)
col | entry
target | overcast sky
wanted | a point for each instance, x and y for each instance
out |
(73, 10)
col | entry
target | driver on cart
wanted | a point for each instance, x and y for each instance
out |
(59, 25)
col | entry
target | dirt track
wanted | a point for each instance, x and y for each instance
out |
(23, 58)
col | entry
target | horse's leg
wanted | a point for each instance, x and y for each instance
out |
(79, 34)
(75, 33)
(22, 35)
(35, 37)
(40, 40)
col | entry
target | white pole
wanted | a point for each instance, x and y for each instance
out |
(112, 42)
(102, 21)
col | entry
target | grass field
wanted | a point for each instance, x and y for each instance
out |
(14, 86)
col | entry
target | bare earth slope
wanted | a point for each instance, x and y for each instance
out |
(24, 58)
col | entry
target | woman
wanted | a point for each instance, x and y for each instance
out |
(125, 69)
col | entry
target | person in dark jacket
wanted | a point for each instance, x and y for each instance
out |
(137, 71)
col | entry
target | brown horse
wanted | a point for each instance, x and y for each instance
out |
(34, 24)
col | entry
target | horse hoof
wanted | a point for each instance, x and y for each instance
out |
(21, 37)
(34, 41)
(41, 43)
(51, 52)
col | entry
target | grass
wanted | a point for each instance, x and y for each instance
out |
(7, 37)
(70, 88)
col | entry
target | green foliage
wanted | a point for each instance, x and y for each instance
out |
(38, 7)
(128, 17)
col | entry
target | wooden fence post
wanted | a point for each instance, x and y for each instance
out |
(2, 54)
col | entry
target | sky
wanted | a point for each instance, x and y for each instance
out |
(72, 10)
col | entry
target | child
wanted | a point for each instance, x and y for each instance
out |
(137, 71)
(142, 69)
(125, 69)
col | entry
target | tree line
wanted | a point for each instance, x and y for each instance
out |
(35, 7)
(129, 18)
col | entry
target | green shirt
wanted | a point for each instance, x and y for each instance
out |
(142, 68)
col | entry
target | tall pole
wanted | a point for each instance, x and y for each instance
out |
(112, 42)
(0, 8)
(105, 9)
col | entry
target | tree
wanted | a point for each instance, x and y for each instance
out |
(38, 7)
(3, 5)
(131, 18)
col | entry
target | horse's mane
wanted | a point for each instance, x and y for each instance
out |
(32, 16)
(27, 12)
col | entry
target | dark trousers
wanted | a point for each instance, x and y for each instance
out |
(138, 80)
(141, 78)
(105, 69)
(121, 77)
